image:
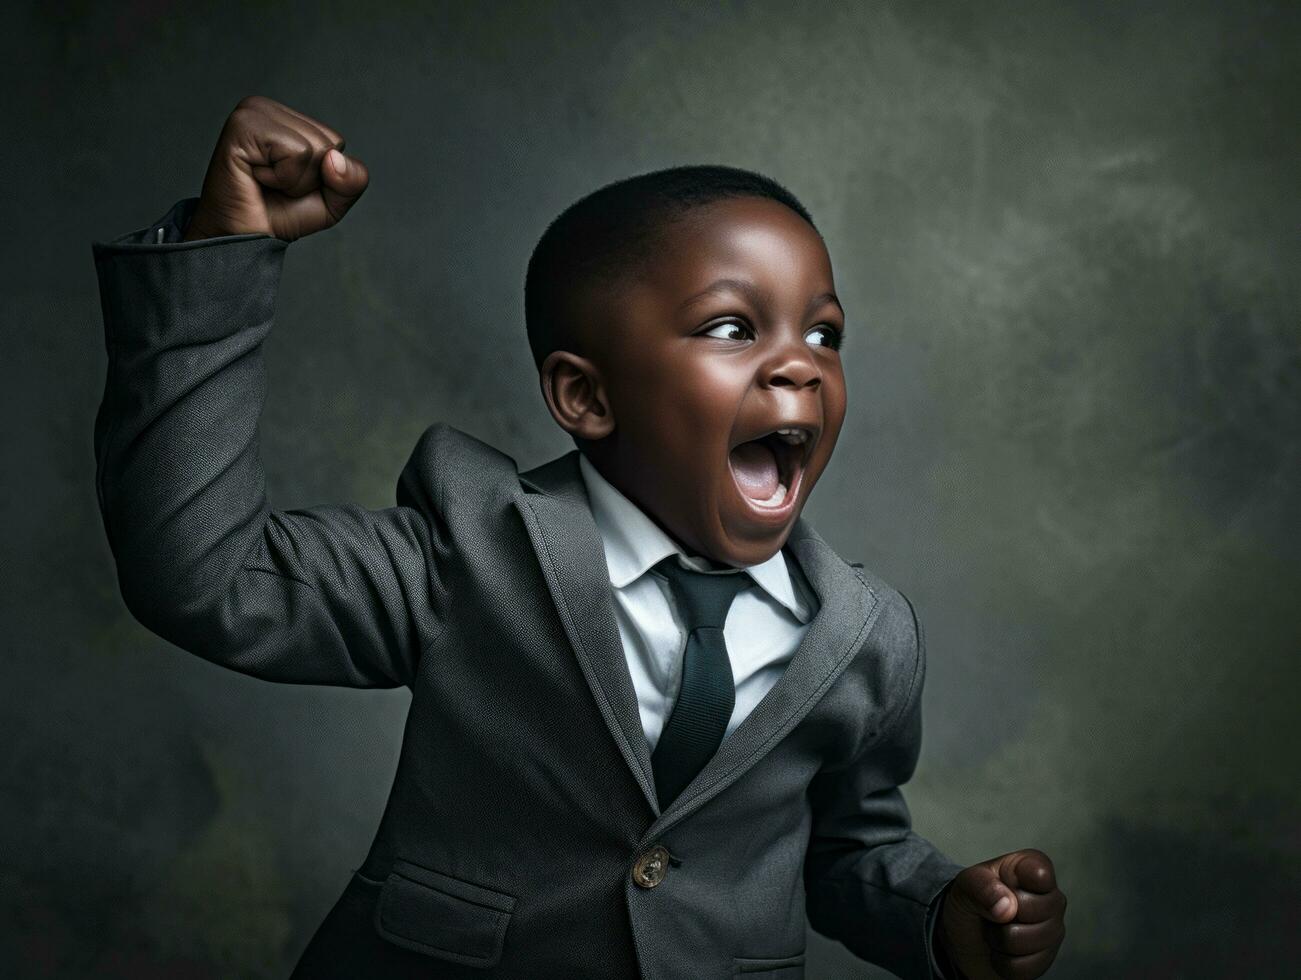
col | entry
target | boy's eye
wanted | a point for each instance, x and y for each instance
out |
(824, 336)
(729, 330)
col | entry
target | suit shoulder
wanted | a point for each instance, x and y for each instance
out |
(450, 465)
(897, 627)
(895, 616)
(894, 600)
(898, 648)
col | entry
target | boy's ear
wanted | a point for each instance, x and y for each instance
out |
(575, 395)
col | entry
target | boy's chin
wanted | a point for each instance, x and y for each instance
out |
(749, 545)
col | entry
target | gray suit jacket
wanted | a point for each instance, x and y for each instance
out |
(524, 799)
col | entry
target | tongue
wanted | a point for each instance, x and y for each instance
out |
(755, 467)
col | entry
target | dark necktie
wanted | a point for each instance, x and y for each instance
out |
(704, 704)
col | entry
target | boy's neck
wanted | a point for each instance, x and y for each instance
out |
(697, 561)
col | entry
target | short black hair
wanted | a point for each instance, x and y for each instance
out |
(598, 238)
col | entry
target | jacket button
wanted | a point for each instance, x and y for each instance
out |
(651, 867)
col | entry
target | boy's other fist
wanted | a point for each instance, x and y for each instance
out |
(275, 172)
(1005, 918)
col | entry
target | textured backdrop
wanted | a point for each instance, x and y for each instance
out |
(1066, 238)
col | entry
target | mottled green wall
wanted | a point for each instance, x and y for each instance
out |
(1066, 237)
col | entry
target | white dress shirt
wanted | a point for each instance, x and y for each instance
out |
(765, 622)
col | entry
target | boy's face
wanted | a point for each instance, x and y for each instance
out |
(723, 379)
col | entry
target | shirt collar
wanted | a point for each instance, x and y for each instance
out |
(634, 544)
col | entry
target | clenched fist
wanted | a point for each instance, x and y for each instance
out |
(1005, 918)
(275, 172)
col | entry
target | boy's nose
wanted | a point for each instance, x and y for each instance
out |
(794, 370)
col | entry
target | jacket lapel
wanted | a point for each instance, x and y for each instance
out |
(847, 610)
(569, 551)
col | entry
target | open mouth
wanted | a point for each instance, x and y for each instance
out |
(767, 470)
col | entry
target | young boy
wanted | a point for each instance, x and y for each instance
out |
(655, 720)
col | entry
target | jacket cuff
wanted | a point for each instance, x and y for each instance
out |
(942, 968)
(157, 294)
(886, 924)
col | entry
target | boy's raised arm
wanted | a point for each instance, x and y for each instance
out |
(326, 595)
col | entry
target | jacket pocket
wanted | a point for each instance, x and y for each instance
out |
(442, 916)
(782, 968)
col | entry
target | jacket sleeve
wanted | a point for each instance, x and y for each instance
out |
(336, 595)
(871, 882)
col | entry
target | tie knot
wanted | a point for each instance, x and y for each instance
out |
(703, 598)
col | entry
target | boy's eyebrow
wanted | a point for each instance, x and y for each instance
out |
(753, 294)
(746, 289)
(821, 298)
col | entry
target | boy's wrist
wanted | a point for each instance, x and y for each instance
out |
(192, 231)
(194, 227)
